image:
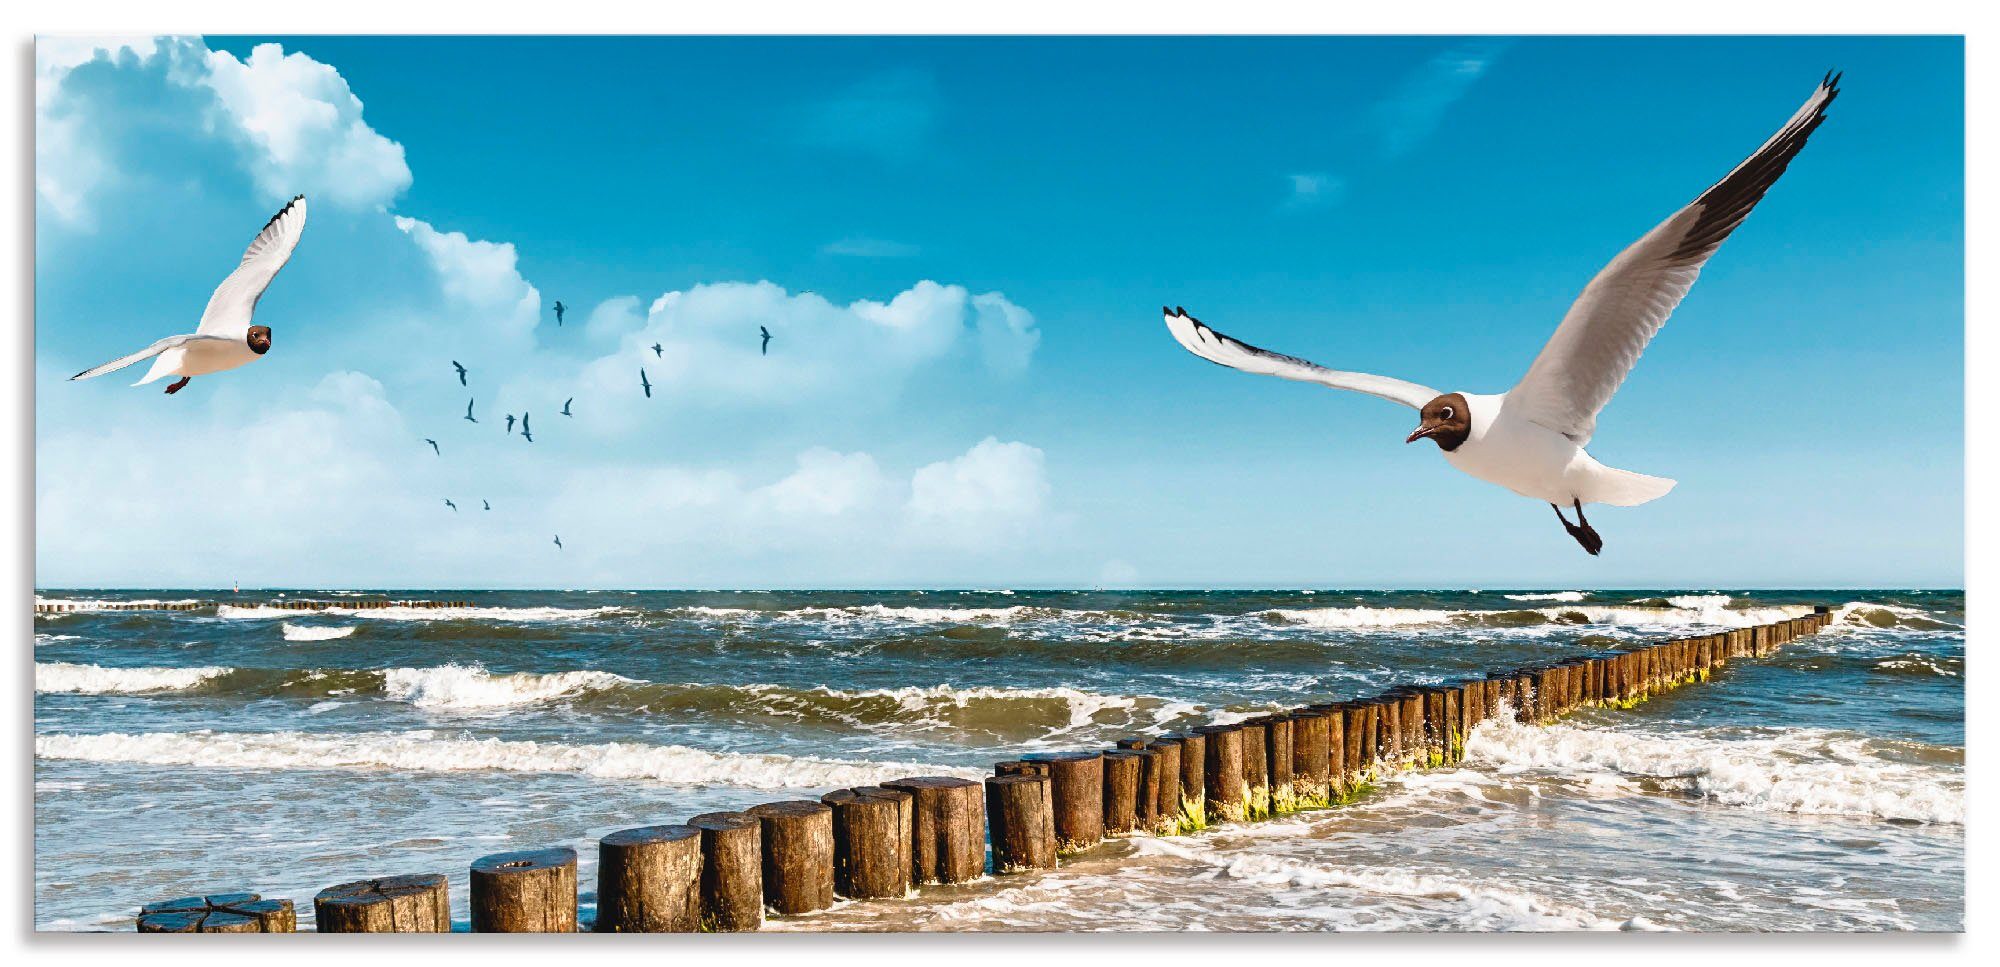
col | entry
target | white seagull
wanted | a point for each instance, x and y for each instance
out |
(1530, 439)
(224, 339)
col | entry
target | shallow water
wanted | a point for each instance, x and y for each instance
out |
(240, 746)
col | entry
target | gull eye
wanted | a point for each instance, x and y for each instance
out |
(1447, 412)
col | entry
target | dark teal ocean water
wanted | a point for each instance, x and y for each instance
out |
(238, 746)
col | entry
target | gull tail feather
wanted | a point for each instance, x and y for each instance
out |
(1623, 488)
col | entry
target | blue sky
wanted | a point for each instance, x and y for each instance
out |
(961, 245)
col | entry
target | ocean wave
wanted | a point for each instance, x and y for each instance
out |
(294, 632)
(264, 612)
(1696, 611)
(424, 751)
(1548, 596)
(1870, 614)
(473, 687)
(56, 677)
(1796, 771)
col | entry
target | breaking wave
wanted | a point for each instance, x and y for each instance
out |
(1795, 771)
(294, 632)
(425, 752)
(56, 677)
(1693, 611)
(1548, 596)
(259, 611)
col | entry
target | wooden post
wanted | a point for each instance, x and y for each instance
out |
(390, 904)
(219, 913)
(1312, 758)
(947, 830)
(649, 880)
(871, 841)
(1019, 767)
(530, 891)
(798, 855)
(1194, 769)
(1076, 781)
(1279, 743)
(1223, 792)
(732, 871)
(1120, 793)
(1256, 765)
(1020, 811)
(1166, 766)
(1145, 809)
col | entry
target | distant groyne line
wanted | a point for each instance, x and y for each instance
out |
(728, 871)
(282, 604)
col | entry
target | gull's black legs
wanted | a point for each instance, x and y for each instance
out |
(175, 386)
(1585, 534)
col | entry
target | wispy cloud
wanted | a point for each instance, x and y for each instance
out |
(1314, 188)
(863, 247)
(1415, 110)
(890, 114)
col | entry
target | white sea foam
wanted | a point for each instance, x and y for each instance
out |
(1362, 616)
(56, 677)
(460, 687)
(1694, 611)
(1547, 596)
(316, 632)
(424, 751)
(259, 611)
(1790, 770)
(1084, 707)
(1870, 614)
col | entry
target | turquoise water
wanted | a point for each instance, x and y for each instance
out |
(237, 746)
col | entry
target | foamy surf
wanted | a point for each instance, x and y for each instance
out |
(463, 687)
(294, 632)
(1547, 596)
(1699, 611)
(56, 677)
(1796, 770)
(424, 751)
(239, 612)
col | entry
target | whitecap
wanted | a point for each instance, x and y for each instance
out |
(56, 677)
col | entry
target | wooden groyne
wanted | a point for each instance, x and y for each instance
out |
(287, 604)
(727, 871)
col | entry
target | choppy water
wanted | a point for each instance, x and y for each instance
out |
(245, 747)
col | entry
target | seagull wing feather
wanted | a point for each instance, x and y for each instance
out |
(171, 342)
(1196, 337)
(229, 309)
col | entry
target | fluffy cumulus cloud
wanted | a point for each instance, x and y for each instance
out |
(313, 467)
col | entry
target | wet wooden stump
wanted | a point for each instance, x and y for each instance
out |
(1223, 791)
(1312, 758)
(1121, 793)
(1194, 782)
(649, 880)
(732, 871)
(1256, 764)
(798, 855)
(219, 913)
(1019, 767)
(1076, 781)
(947, 829)
(1278, 763)
(871, 841)
(419, 903)
(1166, 768)
(1020, 812)
(529, 891)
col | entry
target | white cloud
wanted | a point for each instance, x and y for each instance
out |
(308, 124)
(1418, 105)
(1007, 334)
(992, 489)
(480, 276)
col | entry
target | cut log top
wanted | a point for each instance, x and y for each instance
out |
(524, 861)
(219, 913)
(646, 835)
(723, 821)
(930, 782)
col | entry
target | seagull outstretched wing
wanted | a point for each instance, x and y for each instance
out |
(171, 342)
(229, 309)
(1619, 312)
(1197, 338)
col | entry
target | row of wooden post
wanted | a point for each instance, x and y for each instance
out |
(725, 871)
(68, 607)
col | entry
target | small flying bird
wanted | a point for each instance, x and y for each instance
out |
(448, 503)
(461, 372)
(558, 542)
(483, 505)
(566, 404)
(224, 338)
(764, 349)
(643, 384)
(434, 446)
(560, 309)
(530, 437)
(1531, 438)
(510, 422)
(468, 412)
(657, 351)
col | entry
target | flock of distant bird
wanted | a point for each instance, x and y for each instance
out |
(527, 433)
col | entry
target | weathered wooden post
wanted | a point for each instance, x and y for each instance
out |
(871, 841)
(1021, 812)
(1020, 767)
(1278, 762)
(1146, 810)
(948, 829)
(798, 855)
(1120, 793)
(1312, 759)
(528, 891)
(1194, 769)
(219, 913)
(649, 880)
(1223, 792)
(1256, 765)
(391, 904)
(1076, 780)
(732, 871)
(1166, 766)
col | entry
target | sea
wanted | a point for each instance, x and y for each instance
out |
(240, 746)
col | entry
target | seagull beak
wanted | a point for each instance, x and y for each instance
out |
(1422, 431)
